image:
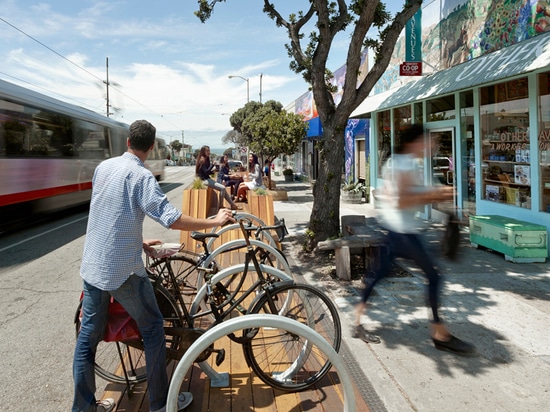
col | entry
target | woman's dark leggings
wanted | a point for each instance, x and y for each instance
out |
(408, 246)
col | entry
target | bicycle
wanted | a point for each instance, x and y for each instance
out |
(119, 362)
(189, 268)
(268, 294)
(289, 367)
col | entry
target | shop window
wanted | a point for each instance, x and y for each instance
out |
(384, 138)
(418, 113)
(468, 164)
(544, 140)
(506, 165)
(441, 108)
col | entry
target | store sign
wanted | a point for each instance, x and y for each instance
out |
(413, 38)
(410, 69)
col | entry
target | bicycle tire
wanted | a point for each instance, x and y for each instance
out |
(108, 362)
(184, 269)
(285, 361)
(225, 277)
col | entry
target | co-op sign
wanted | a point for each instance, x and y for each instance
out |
(410, 69)
(413, 47)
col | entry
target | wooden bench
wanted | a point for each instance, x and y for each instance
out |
(361, 235)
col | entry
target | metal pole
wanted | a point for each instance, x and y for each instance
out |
(107, 83)
(261, 74)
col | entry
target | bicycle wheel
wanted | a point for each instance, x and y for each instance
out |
(124, 362)
(284, 360)
(232, 292)
(183, 268)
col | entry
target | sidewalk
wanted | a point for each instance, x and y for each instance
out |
(502, 307)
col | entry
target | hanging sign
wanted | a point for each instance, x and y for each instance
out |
(413, 38)
(410, 69)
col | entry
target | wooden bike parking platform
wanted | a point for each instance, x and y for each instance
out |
(245, 391)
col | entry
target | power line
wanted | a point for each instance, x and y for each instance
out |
(81, 68)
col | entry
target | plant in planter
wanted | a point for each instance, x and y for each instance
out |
(288, 174)
(198, 184)
(260, 191)
(353, 192)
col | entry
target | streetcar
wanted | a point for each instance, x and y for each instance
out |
(49, 150)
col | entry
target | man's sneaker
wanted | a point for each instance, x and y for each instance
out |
(184, 400)
(360, 333)
(105, 405)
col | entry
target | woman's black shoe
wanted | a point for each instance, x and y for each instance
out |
(454, 345)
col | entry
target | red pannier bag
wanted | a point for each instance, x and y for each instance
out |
(120, 325)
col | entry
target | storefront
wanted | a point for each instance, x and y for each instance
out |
(488, 123)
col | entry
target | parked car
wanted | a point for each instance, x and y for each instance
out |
(234, 164)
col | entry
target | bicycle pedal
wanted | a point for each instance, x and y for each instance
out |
(220, 357)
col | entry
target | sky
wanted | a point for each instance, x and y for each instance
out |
(164, 65)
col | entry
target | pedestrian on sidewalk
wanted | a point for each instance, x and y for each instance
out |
(124, 191)
(402, 194)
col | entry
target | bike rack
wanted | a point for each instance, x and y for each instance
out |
(256, 321)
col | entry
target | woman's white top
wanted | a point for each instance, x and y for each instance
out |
(391, 217)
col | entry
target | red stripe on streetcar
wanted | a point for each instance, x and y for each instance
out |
(14, 198)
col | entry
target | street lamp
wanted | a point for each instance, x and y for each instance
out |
(247, 86)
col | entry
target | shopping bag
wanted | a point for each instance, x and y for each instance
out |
(120, 325)
(451, 238)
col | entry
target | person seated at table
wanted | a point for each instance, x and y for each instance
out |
(254, 178)
(226, 178)
(204, 168)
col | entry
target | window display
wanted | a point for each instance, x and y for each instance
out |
(505, 144)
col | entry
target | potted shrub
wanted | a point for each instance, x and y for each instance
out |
(288, 174)
(353, 192)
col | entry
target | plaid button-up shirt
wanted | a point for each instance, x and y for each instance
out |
(123, 193)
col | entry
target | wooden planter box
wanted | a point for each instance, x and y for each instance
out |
(199, 203)
(262, 207)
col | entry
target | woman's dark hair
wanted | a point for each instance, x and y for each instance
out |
(203, 159)
(142, 135)
(409, 135)
(254, 162)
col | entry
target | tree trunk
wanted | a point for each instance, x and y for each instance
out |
(325, 215)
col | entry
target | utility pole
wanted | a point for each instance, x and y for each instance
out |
(107, 83)
(261, 75)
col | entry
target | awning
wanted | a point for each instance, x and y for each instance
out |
(372, 103)
(315, 129)
(520, 58)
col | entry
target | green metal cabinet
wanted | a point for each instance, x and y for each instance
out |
(519, 241)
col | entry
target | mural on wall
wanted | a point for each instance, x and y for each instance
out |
(339, 77)
(354, 128)
(472, 28)
(305, 105)
(455, 31)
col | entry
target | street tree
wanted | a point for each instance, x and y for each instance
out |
(228, 152)
(272, 131)
(325, 19)
(235, 138)
(176, 145)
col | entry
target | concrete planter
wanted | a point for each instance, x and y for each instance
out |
(351, 197)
